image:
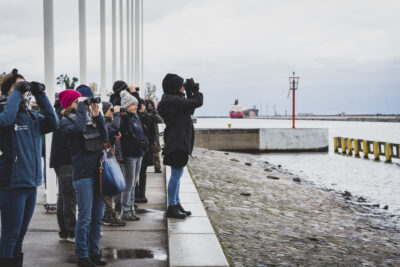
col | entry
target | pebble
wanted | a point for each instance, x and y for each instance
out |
(297, 180)
(247, 164)
(235, 160)
(272, 177)
(245, 194)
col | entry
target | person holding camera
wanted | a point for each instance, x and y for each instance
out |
(156, 145)
(61, 161)
(147, 120)
(112, 117)
(86, 133)
(134, 143)
(21, 131)
(176, 110)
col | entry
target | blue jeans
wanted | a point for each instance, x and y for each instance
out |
(173, 186)
(90, 216)
(17, 206)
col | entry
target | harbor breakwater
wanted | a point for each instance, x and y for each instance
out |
(266, 216)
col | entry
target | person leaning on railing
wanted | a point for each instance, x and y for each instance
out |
(20, 160)
(176, 110)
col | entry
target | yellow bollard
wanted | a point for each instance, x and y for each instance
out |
(365, 149)
(356, 148)
(336, 144)
(349, 147)
(343, 146)
(388, 153)
(377, 151)
(229, 125)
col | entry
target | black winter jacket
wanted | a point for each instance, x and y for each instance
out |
(133, 139)
(60, 154)
(176, 111)
(84, 164)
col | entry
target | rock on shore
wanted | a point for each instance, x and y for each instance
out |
(265, 221)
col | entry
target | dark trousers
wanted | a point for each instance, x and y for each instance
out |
(66, 202)
(141, 184)
(17, 206)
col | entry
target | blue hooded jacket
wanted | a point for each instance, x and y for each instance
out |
(21, 142)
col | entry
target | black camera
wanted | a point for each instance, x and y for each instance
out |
(93, 100)
(191, 87)
(122, 110)
(137, 89)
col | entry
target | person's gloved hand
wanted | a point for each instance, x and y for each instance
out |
(37, 88)
(23, 87)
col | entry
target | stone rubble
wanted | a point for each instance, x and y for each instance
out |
(287, 223)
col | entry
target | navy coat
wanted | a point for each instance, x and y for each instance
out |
(84, 164)
(21, 141)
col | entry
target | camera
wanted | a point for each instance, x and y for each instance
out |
(122, 110)
(137, 89)
(191, 87)
(93, 100)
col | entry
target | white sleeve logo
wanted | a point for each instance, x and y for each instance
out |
(20, 127)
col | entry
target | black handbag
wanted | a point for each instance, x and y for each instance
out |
(92, 139)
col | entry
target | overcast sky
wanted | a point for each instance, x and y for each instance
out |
(347, 53)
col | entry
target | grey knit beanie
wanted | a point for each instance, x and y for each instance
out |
(127, 99)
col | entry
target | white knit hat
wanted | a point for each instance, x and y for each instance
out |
(127, 99)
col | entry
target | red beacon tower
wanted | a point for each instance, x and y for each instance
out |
(293, 85)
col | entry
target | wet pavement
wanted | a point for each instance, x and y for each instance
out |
(265, 216)
(140, 243)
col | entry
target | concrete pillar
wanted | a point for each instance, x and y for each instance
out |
(136, 43)
(121, 40)
(50, 82)
(141, 49)
(82, 42)
(128, 40)
(114, 40)
(132, 74)
(103, 92)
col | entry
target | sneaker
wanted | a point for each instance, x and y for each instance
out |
(130, 218)
(113, 221)
(71, 239)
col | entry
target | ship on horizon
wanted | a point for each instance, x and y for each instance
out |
(239, 111)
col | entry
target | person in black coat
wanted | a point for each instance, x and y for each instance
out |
(176, 111)
(61, 161)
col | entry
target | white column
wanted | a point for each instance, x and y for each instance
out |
(82, 42)
(137, 43)
(50, 81)
(141, 49)
(114, 41)
(121, 40)
(128, 39)
(132, 42)
(103, 92)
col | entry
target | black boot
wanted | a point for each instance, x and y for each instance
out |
(85, 262)
(180, 208)
(7, 262)
(98, 260)
(173, 212)
(18, 259)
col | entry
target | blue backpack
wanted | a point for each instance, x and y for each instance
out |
(112, 180)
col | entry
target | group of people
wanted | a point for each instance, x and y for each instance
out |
(127, 124)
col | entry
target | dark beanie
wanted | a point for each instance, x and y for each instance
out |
(106, 106)
(172, 83)
(85, 91)
(8, 80)
(119, 86)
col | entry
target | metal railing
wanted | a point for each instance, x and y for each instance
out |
(349, 145)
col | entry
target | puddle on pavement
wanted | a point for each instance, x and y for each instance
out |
(124, 254)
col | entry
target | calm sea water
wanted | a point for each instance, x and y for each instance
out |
(377, 181)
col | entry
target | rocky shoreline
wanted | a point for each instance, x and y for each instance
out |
(266, 216)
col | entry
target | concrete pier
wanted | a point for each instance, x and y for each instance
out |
(264, 140)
